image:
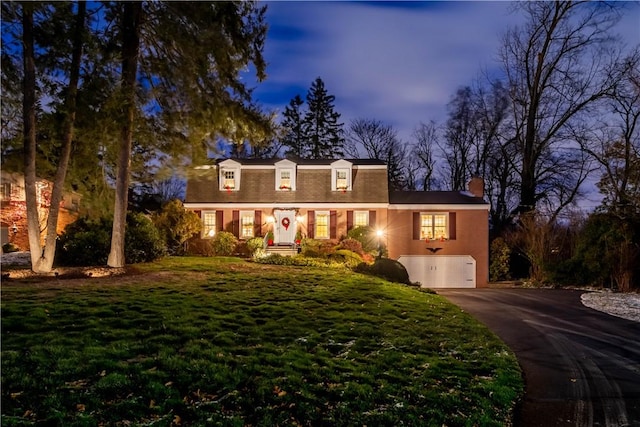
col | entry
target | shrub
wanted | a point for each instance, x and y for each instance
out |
(365, 236)
(85, 242)
(88, 242)
(253, 244)
(176, 225)
(198, 246)
(9, 247)
(352, 245)
(386, 268)
(224, 243)
(317, 248)
(345, 256)
(500, 255)
(142, 240)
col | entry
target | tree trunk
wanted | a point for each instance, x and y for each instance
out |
(29, 123)
(132, 12)
(45, 262)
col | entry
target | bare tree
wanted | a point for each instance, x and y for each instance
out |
(425, 139)
(459, 134)
(557, 67)
(616, 146)
(370, 138)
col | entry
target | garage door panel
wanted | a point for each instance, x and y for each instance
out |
(441, 271)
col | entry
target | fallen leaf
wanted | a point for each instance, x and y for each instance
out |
(16, 394)
(80, 407)
(176, 420)
(168, 384)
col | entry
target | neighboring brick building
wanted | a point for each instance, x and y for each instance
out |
(13, 209)
(442, 237)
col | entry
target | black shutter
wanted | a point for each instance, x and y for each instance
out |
(257, 223)
(235, 223)
(349, 220)
(452, 226)
(219, 221)
(333, 222)
(416, 226)
(372, 219)
(311, 224)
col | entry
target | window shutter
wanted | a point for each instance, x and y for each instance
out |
(416, 226)
(349, 220)
(219, 221)
(235, 223)
(452, 226)
(311, 224)
(257, 223)
(333, 221)
(372, 219)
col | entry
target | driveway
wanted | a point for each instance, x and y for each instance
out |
(581, 366)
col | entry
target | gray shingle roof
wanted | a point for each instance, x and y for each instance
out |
(434, 198)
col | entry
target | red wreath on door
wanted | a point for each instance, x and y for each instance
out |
(285, 223)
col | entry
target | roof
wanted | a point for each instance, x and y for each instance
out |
(434, 198)
(299, 161)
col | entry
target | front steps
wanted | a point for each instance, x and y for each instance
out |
(284, 250)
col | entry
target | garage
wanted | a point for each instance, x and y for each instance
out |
(441, 271)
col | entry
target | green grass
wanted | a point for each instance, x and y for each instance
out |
(226, 342)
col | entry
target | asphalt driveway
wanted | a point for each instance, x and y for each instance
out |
(581, 366)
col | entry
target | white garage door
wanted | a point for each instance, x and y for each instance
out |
(441, 271)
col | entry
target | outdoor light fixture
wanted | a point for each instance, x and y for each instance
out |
(299, 218)
(211, 233)
(270, 220)
(379, 233)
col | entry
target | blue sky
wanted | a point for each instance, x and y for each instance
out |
(396, 62)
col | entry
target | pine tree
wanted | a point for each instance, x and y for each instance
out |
(323, 132)
(293, 137)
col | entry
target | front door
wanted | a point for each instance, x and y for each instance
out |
(284, 229)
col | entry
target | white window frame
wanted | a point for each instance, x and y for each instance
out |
(434, 235)
(211, 231)
(341, 166)
(280, 182)
(318, 214)
(248, 232)
(355, 218)
(229, 166)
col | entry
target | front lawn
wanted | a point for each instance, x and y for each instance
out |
(226, 342)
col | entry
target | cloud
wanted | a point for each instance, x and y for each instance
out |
(396, 62)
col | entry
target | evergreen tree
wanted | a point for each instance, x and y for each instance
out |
(323, 132)
(293, 137)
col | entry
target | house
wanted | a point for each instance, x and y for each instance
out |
(441, 237)
(13, 209)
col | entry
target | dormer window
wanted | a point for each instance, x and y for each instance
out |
(285, 180)
(341, 175)
(341, 179)
(229, 175)
(229, 180)
(285, 175)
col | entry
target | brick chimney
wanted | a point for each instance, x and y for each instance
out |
(476, 186)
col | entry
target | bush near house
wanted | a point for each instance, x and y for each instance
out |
(176, 225)
(224, 243)
(366, 237)
(87, 242)
(386, 268)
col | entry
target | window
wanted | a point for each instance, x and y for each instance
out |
(360, 218)
(246, 224)
(285, 180)
(5, 191)
(229, 182)
(342, 181)
(208, 224)
(433, 226)
(322, 225)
